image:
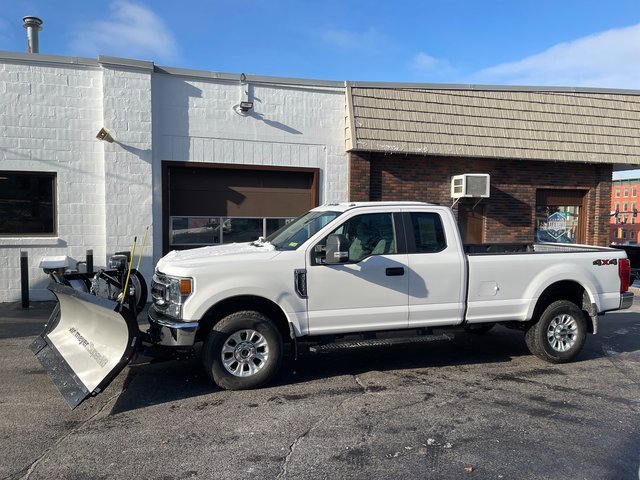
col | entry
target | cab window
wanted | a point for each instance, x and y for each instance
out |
(370, 234)
(428, 232)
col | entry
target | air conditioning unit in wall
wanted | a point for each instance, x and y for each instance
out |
(470, 185)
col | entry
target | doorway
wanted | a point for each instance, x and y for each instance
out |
(471, 221)
(560, 216)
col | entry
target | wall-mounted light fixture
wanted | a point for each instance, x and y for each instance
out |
(245, 105)
(104, 134)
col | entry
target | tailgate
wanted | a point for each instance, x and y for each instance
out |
(87, 341)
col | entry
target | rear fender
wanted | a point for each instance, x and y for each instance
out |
(86, 343)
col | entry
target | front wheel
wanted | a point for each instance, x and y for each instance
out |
(559, 334)
(243, 351)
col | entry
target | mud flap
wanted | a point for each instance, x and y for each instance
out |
(86, 343)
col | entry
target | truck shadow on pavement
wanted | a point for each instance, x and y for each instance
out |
(160, 383)
(154, 384)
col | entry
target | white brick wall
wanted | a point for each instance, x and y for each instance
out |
(48, 120)
(107, 193)
(126, 100)
(290, 125)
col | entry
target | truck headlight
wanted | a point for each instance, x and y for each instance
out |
(169, 293)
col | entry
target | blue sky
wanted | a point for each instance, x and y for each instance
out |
(517, 42)
(560, 42)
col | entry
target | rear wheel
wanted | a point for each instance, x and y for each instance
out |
(559, 334)
(242, 351)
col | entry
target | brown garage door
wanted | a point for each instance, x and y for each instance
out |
(209, 204)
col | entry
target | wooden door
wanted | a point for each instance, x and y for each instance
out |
(471, 221)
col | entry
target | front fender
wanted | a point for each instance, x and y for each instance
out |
(293, 307)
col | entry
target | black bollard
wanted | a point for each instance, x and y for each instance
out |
(89, 261)
(24, 278)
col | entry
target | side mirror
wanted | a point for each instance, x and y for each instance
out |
(337, 249)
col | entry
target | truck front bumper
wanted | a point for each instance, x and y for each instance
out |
(168, 332)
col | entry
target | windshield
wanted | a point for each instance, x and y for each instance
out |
(295, 233)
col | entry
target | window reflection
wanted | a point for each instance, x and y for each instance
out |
(557, 223)
(189, 232)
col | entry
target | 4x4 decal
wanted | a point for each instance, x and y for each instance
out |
(601, 263)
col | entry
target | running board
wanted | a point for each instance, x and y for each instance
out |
(377, 342)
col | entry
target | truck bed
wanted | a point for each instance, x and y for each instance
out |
(507, 248)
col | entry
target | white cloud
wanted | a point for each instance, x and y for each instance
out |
(606, 59)
(425, 63)
(348, 39)
(130, 30)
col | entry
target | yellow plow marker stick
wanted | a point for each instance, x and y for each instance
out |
(126, 283)
(144, 240)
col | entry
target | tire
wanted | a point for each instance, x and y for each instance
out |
(243, 351)
(559, 334)
(479, 328)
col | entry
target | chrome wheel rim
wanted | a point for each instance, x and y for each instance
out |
(245, 353)
(562, 332)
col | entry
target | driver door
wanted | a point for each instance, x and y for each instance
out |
(370, 291)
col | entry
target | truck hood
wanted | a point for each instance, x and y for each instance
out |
(198, 257)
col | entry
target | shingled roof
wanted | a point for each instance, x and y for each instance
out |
(572, 125)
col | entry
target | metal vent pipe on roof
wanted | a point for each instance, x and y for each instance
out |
(33, 26)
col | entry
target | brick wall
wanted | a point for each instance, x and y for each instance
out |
(509, 212)
(360, 177)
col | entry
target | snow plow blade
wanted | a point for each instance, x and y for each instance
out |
(86, 343)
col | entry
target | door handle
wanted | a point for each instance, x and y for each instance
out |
(394, 272)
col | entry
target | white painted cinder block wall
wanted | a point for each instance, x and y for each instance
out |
(52, 107)
(290, 125)
(49, 116)
(126, 104)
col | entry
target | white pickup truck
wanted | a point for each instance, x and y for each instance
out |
(369, 268)
(373, 267)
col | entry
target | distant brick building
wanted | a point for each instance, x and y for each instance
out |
(624, 223)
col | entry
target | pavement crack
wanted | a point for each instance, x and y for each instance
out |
(292, 447)
(36, 462)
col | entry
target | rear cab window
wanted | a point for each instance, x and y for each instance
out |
(426, 233)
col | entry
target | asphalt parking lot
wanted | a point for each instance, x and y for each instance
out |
(469, 407)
